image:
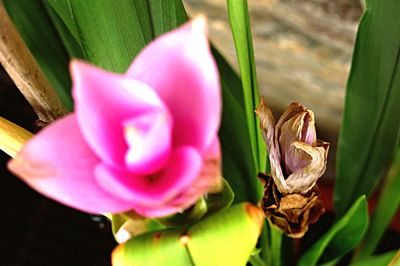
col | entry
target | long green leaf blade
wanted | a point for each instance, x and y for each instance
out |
(388, 204)
(166, 15)
(110, 34)
(371, 117)
(70, 42)
(240, 25)
(341, 238)
(238, 160)
(378, 260)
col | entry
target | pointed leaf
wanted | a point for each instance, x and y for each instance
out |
(240, 25)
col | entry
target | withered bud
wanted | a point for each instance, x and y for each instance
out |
(298, 159)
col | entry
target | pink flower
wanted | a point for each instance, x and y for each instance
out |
(145, 140)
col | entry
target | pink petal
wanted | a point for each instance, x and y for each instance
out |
(209, 179)
(103, 102)
(149, 140)
(309, 133)
(153, 190)
(59, 164)
(157, 211)
(299, 127)
(180, 67)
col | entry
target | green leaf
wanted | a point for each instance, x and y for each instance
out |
(36, 29)
(371, 116)
(155, 248)
(240, 25)
(225, 238)
(120, 30)
(341, 238)
(238, 161)
(388, 204)
(110, 34)
(166, 15)
(70, 42)
(378, 260)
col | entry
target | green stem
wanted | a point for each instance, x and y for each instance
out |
(276, 244)
(265, 243)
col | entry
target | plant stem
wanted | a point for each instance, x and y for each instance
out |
(276, 244)
(23, 69)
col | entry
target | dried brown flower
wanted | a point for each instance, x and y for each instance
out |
(298, 159)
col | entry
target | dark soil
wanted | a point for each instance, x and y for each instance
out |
(33, 229)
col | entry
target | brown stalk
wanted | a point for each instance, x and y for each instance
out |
(23, 69)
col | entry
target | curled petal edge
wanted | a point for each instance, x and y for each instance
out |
(304, 179)
(267, 124)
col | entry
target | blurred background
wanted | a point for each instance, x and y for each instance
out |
(303, 52)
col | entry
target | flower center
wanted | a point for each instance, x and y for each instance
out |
(148, 137)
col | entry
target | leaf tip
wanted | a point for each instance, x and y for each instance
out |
(256, 214)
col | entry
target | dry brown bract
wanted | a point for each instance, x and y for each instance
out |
(291, 213)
